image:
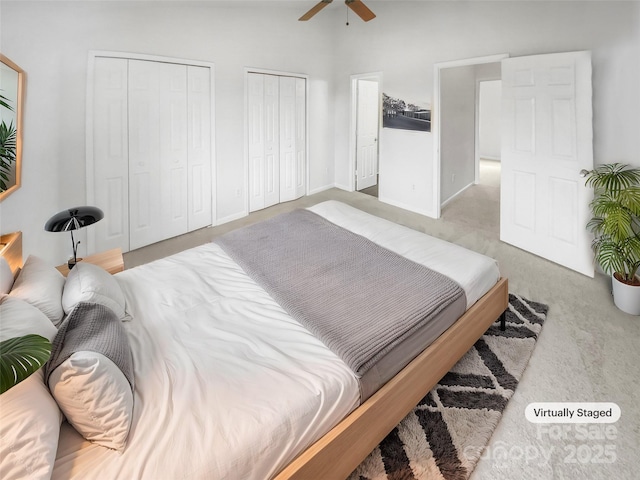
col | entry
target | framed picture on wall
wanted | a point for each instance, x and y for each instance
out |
(398, 113)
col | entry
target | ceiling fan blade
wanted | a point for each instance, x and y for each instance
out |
(314, 10)
(360, 9)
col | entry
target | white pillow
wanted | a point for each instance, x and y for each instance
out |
(92, 284)
(29, 417)
(41, 285)
(6, 276)
(95, 397)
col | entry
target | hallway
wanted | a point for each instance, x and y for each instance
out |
(478, 207)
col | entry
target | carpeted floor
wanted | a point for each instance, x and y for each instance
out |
(445, 435)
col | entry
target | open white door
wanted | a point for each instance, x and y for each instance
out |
(367, 118)
(547, 139)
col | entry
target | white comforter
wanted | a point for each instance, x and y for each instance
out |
(227, 384)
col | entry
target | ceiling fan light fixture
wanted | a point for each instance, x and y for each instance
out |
(360, 9)
(357, 6)
(315, 9)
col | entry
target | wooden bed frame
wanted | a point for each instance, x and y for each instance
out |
(343, 448)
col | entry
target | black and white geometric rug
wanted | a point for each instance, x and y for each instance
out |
(444, 436)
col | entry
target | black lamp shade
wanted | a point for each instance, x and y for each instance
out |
(73, 219)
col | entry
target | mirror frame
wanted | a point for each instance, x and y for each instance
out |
(19, 112)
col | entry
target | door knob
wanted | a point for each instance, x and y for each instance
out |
(584, 173)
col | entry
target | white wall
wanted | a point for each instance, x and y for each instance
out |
(405, 181)
(407, 38)
(489, 117)
(51, 40)
(457, 129)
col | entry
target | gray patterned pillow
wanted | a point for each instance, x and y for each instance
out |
(90, 374)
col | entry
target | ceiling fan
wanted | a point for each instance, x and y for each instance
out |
(357, 6)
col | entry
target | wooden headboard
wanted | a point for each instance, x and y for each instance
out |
(11, 250)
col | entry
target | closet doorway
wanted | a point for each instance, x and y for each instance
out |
(276, 138)
(149, 148)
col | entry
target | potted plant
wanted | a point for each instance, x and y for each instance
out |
(616, 226)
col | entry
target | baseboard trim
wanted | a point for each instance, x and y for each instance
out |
(405, 206)
(231, 218)
(455, 195)
(322, 189)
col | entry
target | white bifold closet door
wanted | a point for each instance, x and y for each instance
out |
(160, 120)
(157, 151)
(277, 139)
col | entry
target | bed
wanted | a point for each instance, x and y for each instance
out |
(229, 385)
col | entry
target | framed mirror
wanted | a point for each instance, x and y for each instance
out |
(11, 109)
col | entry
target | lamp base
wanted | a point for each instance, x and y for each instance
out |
(72, 262)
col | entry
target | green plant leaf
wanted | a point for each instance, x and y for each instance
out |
(616, 218)
(4, 102)
(20, 357)
(629, 198)
(8, 151)
(608, 255)
(613, 177)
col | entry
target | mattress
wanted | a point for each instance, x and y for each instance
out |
(227, 384)
(475, 273)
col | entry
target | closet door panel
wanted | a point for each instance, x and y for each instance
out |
(144, 153)
(200, 179)
(272, 140)
(256, 134)
(158, 166)
(110, 153)
(287, 138)
(173, 187)
(301, 138)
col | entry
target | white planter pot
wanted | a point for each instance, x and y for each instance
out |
(626, 297)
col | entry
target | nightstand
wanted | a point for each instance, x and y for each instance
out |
(11, 250)
(110, 260)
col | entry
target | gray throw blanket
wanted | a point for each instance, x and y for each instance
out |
(357, 297)
(94, 328)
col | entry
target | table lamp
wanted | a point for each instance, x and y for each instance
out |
(73, 219)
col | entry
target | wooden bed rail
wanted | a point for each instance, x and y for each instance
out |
(343, 448)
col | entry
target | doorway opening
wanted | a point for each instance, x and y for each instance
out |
(547, 138)
(469, 143)
(366, 112)
(372, 190)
